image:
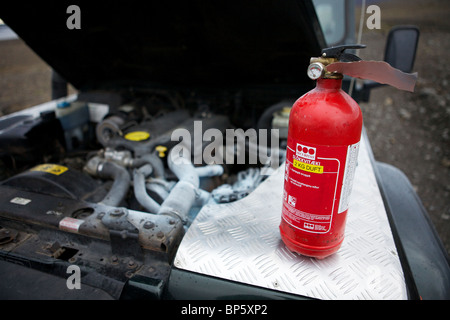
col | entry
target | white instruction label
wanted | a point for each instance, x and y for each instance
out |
(70, 224)
(349, 174)
(21, 201)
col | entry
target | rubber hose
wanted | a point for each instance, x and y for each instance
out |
(121, 185)
(141, 194)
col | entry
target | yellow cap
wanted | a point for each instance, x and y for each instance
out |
(161, 150)
(137, 136)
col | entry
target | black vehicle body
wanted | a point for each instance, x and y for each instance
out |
(192, 58)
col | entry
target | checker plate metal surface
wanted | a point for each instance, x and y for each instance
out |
(240, 241)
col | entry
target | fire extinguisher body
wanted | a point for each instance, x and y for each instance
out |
(323, 140)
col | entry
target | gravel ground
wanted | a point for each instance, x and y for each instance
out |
(408, 130)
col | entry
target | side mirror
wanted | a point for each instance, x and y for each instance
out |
(401, 47)
(400, 52)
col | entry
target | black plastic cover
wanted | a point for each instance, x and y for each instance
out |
(70, 184)
(27, 139)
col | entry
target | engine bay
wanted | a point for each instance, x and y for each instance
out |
(135, 156)
(124, 187)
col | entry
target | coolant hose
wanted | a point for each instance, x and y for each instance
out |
(182, 167)
(209, 171)
(121, 177)
(184, 193)
(140, 191)
(154, 161)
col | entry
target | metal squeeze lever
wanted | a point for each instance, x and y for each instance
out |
(338, 52)
(318, 66)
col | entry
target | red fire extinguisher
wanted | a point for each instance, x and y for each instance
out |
(324, 133)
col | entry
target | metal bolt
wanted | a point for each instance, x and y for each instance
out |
(149, 225)
(131, 264)
(116, 213)
(129, 274)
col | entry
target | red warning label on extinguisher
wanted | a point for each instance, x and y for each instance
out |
(318, 183)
